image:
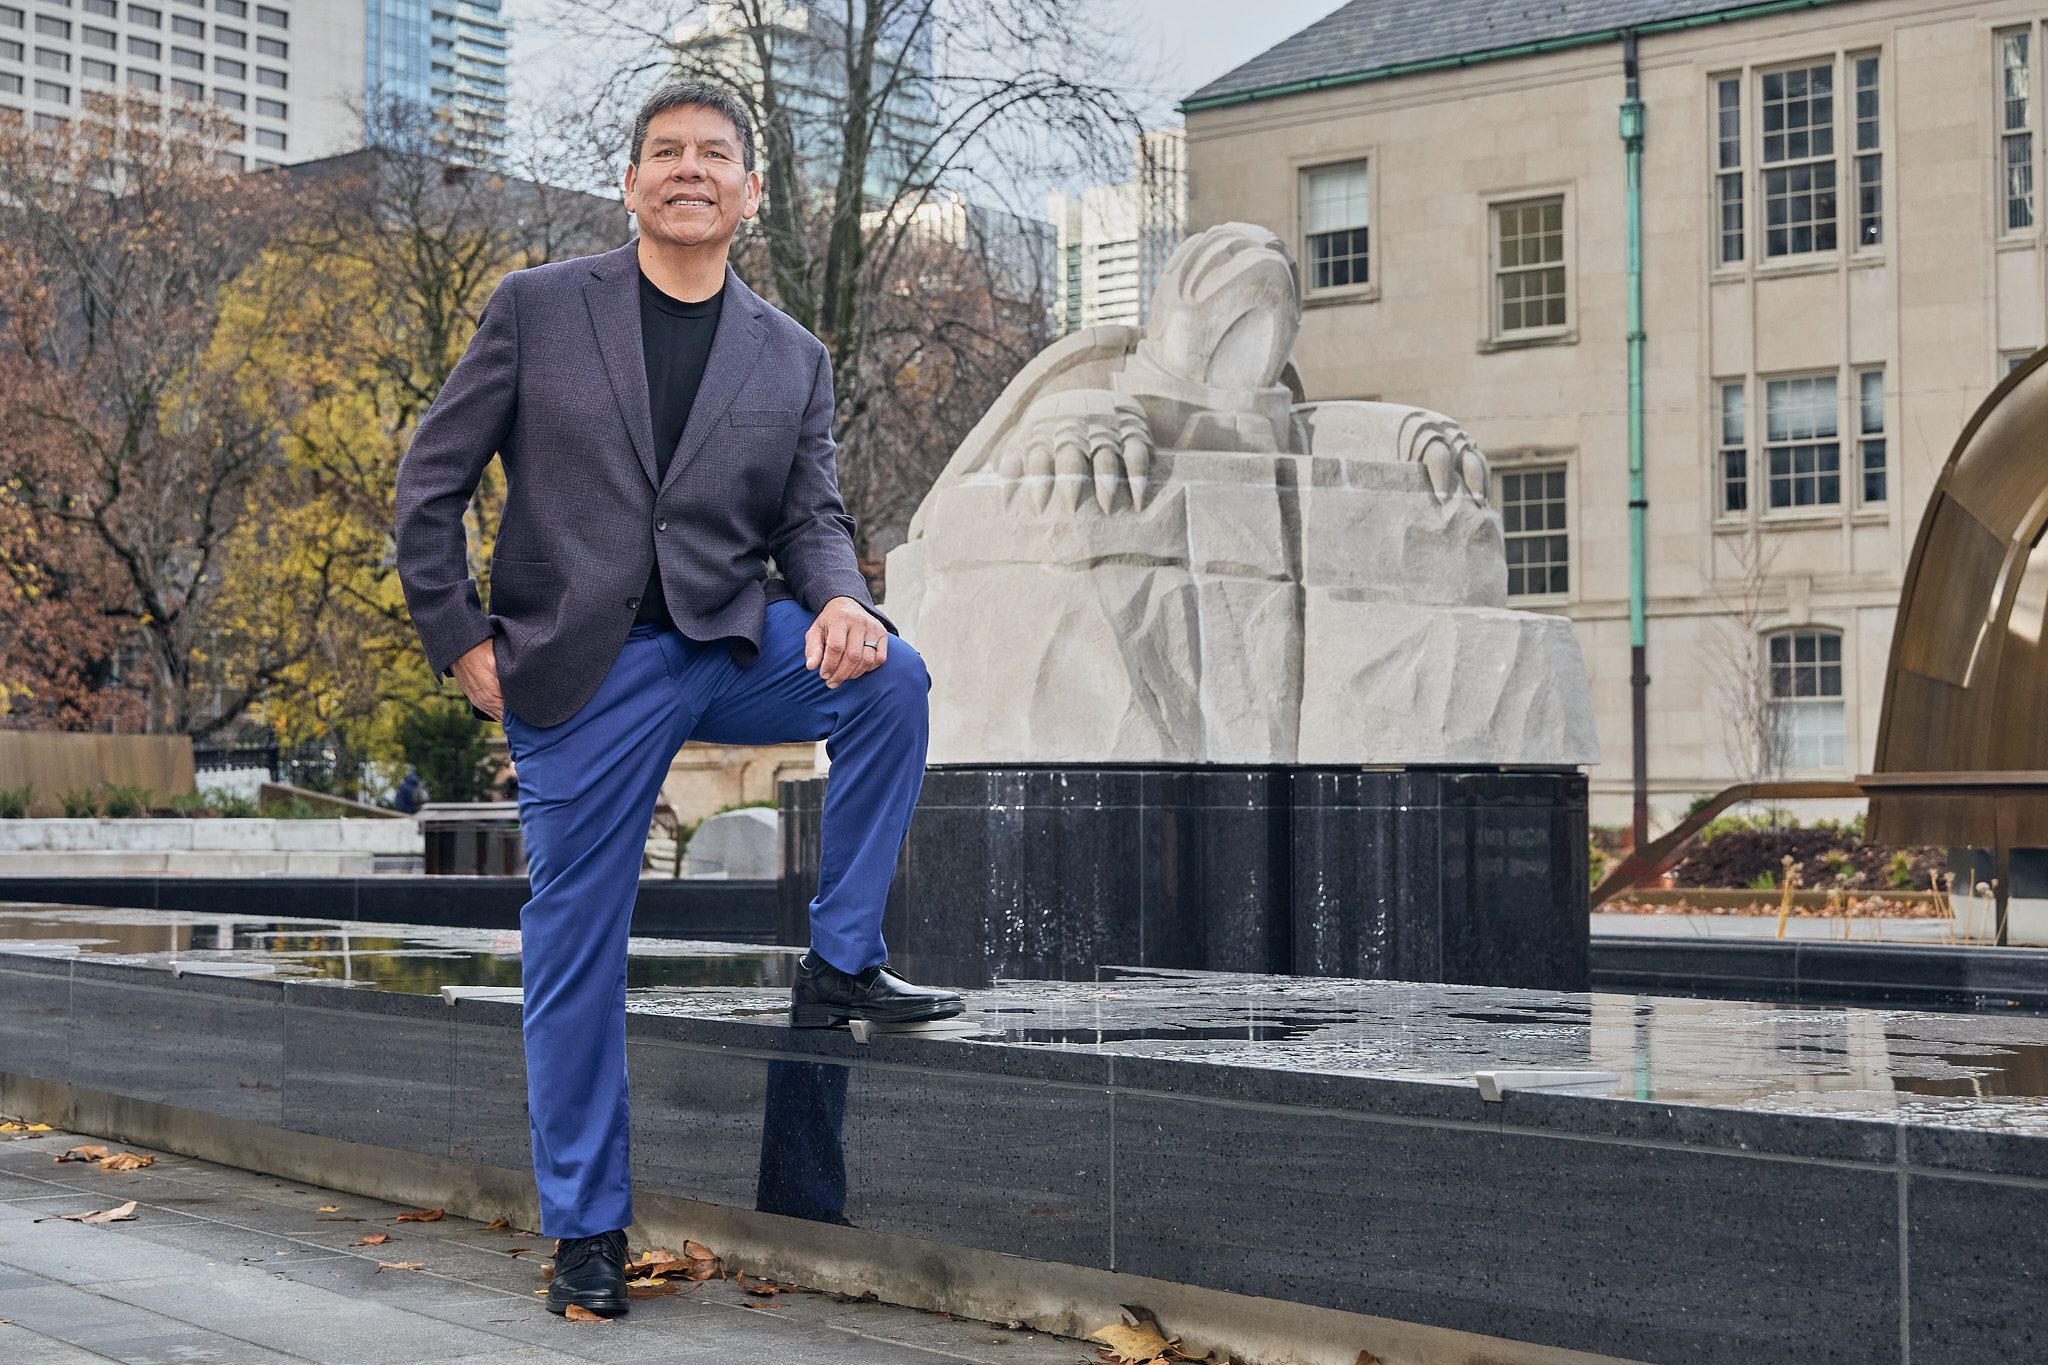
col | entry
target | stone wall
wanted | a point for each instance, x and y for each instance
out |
(219, 847)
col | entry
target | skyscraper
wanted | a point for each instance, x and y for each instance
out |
(470, 52)
(1113, 241)
(296, 76)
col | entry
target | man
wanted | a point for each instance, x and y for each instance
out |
(665, 435)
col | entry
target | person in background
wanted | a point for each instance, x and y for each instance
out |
(411, 794)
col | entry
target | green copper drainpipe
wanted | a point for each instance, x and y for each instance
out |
(1638, 504)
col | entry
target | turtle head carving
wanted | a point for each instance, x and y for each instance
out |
(1226, 310)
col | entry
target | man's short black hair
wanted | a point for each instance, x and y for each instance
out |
(703, 95)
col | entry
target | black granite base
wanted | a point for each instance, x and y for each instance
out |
(1422, 874)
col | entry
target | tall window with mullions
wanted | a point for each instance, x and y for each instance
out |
(1869, 160)
(1800, 213)
(1734, 449)
(2016, 128)
(1806, 695)
(1337, 229)
(1870, 445)
(1803, 441)
(1532, 513)
(1728, 161)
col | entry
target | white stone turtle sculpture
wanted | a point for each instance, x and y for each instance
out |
(1211, 372)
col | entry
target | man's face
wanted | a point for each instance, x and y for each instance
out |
(690, 187)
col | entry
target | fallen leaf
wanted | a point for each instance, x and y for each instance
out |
(328, 1208)
(123, 1214)
(383, 1266)
(1139, 1341)
(82, 1154)
(520, 1251)
(495, 1225)
(578, 1313)
(126, 1161)
(41, 1128)
(420, 1216)
(648, 1289)
(375, 1239)
(339, 1220)
(766, 1289)
(1366, 1358)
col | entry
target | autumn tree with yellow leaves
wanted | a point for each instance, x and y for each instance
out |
(363, 310)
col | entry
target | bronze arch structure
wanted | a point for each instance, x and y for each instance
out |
(1964, 733)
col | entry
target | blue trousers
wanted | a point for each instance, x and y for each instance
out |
(586, 794)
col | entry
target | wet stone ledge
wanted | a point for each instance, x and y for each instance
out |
(1660, 1180)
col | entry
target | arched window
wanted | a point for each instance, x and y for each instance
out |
(1806, 691)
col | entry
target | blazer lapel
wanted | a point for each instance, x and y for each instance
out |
(726, 369)
(613, 296)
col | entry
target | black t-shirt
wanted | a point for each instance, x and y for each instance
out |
(675, 341)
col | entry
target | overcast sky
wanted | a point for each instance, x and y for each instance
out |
(1189, 42)
(1198, 40)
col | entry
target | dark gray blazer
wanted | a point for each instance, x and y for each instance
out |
(554, 383)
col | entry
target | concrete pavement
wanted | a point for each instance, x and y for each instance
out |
(227, 1267)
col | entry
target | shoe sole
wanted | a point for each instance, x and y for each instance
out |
(836, 1016)
(610, 1309)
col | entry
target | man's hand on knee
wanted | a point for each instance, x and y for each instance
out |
(844, 642)
(477, 672)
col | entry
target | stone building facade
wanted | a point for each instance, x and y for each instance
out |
(1842, 255)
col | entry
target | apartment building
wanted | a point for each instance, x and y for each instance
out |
(1842, 252)
(296, 75)
(1113, 241)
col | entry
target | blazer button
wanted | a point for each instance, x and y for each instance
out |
(661, 525)
(633, 602)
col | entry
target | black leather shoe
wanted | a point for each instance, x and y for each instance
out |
(590, 1272)
(825, 997)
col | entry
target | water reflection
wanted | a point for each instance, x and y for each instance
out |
(404, 958)
(1979, 1070)
(803, 1164)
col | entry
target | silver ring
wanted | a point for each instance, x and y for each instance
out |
(869, 644)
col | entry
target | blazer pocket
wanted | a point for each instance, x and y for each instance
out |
(520, 587)
(761, 417)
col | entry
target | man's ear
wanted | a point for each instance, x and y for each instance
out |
(632, 178)
(751, 205)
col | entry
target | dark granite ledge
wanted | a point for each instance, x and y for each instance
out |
(2005, 1135)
